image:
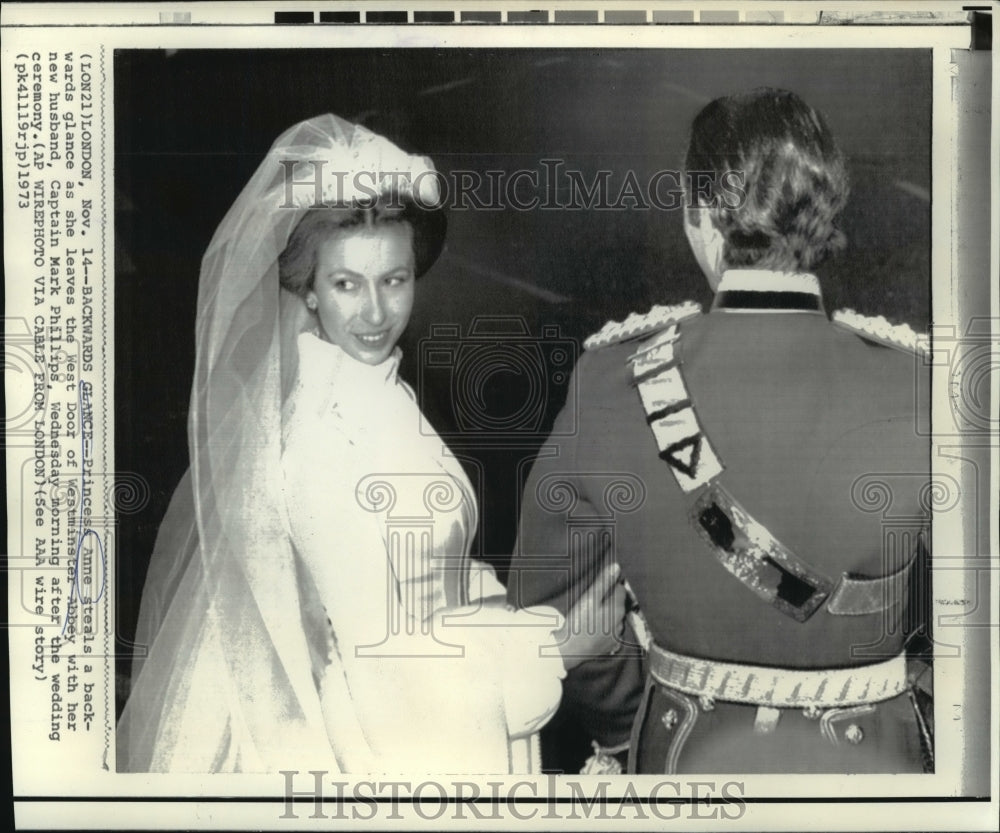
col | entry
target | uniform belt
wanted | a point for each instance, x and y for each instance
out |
(778, 687)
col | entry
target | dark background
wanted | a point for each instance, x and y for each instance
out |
(191, 127)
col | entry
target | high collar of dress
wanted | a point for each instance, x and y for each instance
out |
(765, 290)
(324, 362)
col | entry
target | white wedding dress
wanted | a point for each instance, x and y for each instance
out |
(442, 677)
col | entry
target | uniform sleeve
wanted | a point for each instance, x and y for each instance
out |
(552, 568)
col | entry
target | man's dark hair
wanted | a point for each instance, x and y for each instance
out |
(778, 179)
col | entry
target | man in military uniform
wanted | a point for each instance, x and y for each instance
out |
(762, 443)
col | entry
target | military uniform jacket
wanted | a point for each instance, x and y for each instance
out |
(815, 429)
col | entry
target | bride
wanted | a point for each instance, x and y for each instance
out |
(310, 601)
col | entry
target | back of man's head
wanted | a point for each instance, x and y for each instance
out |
(777, 179)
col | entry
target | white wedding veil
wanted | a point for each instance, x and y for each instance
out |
(236, 636)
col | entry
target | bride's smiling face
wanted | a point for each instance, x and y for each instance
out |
(363, 288)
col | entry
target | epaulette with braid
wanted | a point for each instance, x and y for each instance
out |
(638, 325)
(879, 330)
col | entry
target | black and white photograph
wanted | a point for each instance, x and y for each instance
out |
(581, 417)
(741, 216)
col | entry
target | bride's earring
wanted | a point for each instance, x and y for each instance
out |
(312, 304)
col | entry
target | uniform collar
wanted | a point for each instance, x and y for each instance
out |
(765, 290)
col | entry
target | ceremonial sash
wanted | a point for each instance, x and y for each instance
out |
(742, 544)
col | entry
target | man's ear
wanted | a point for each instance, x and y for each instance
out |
(707, 243)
